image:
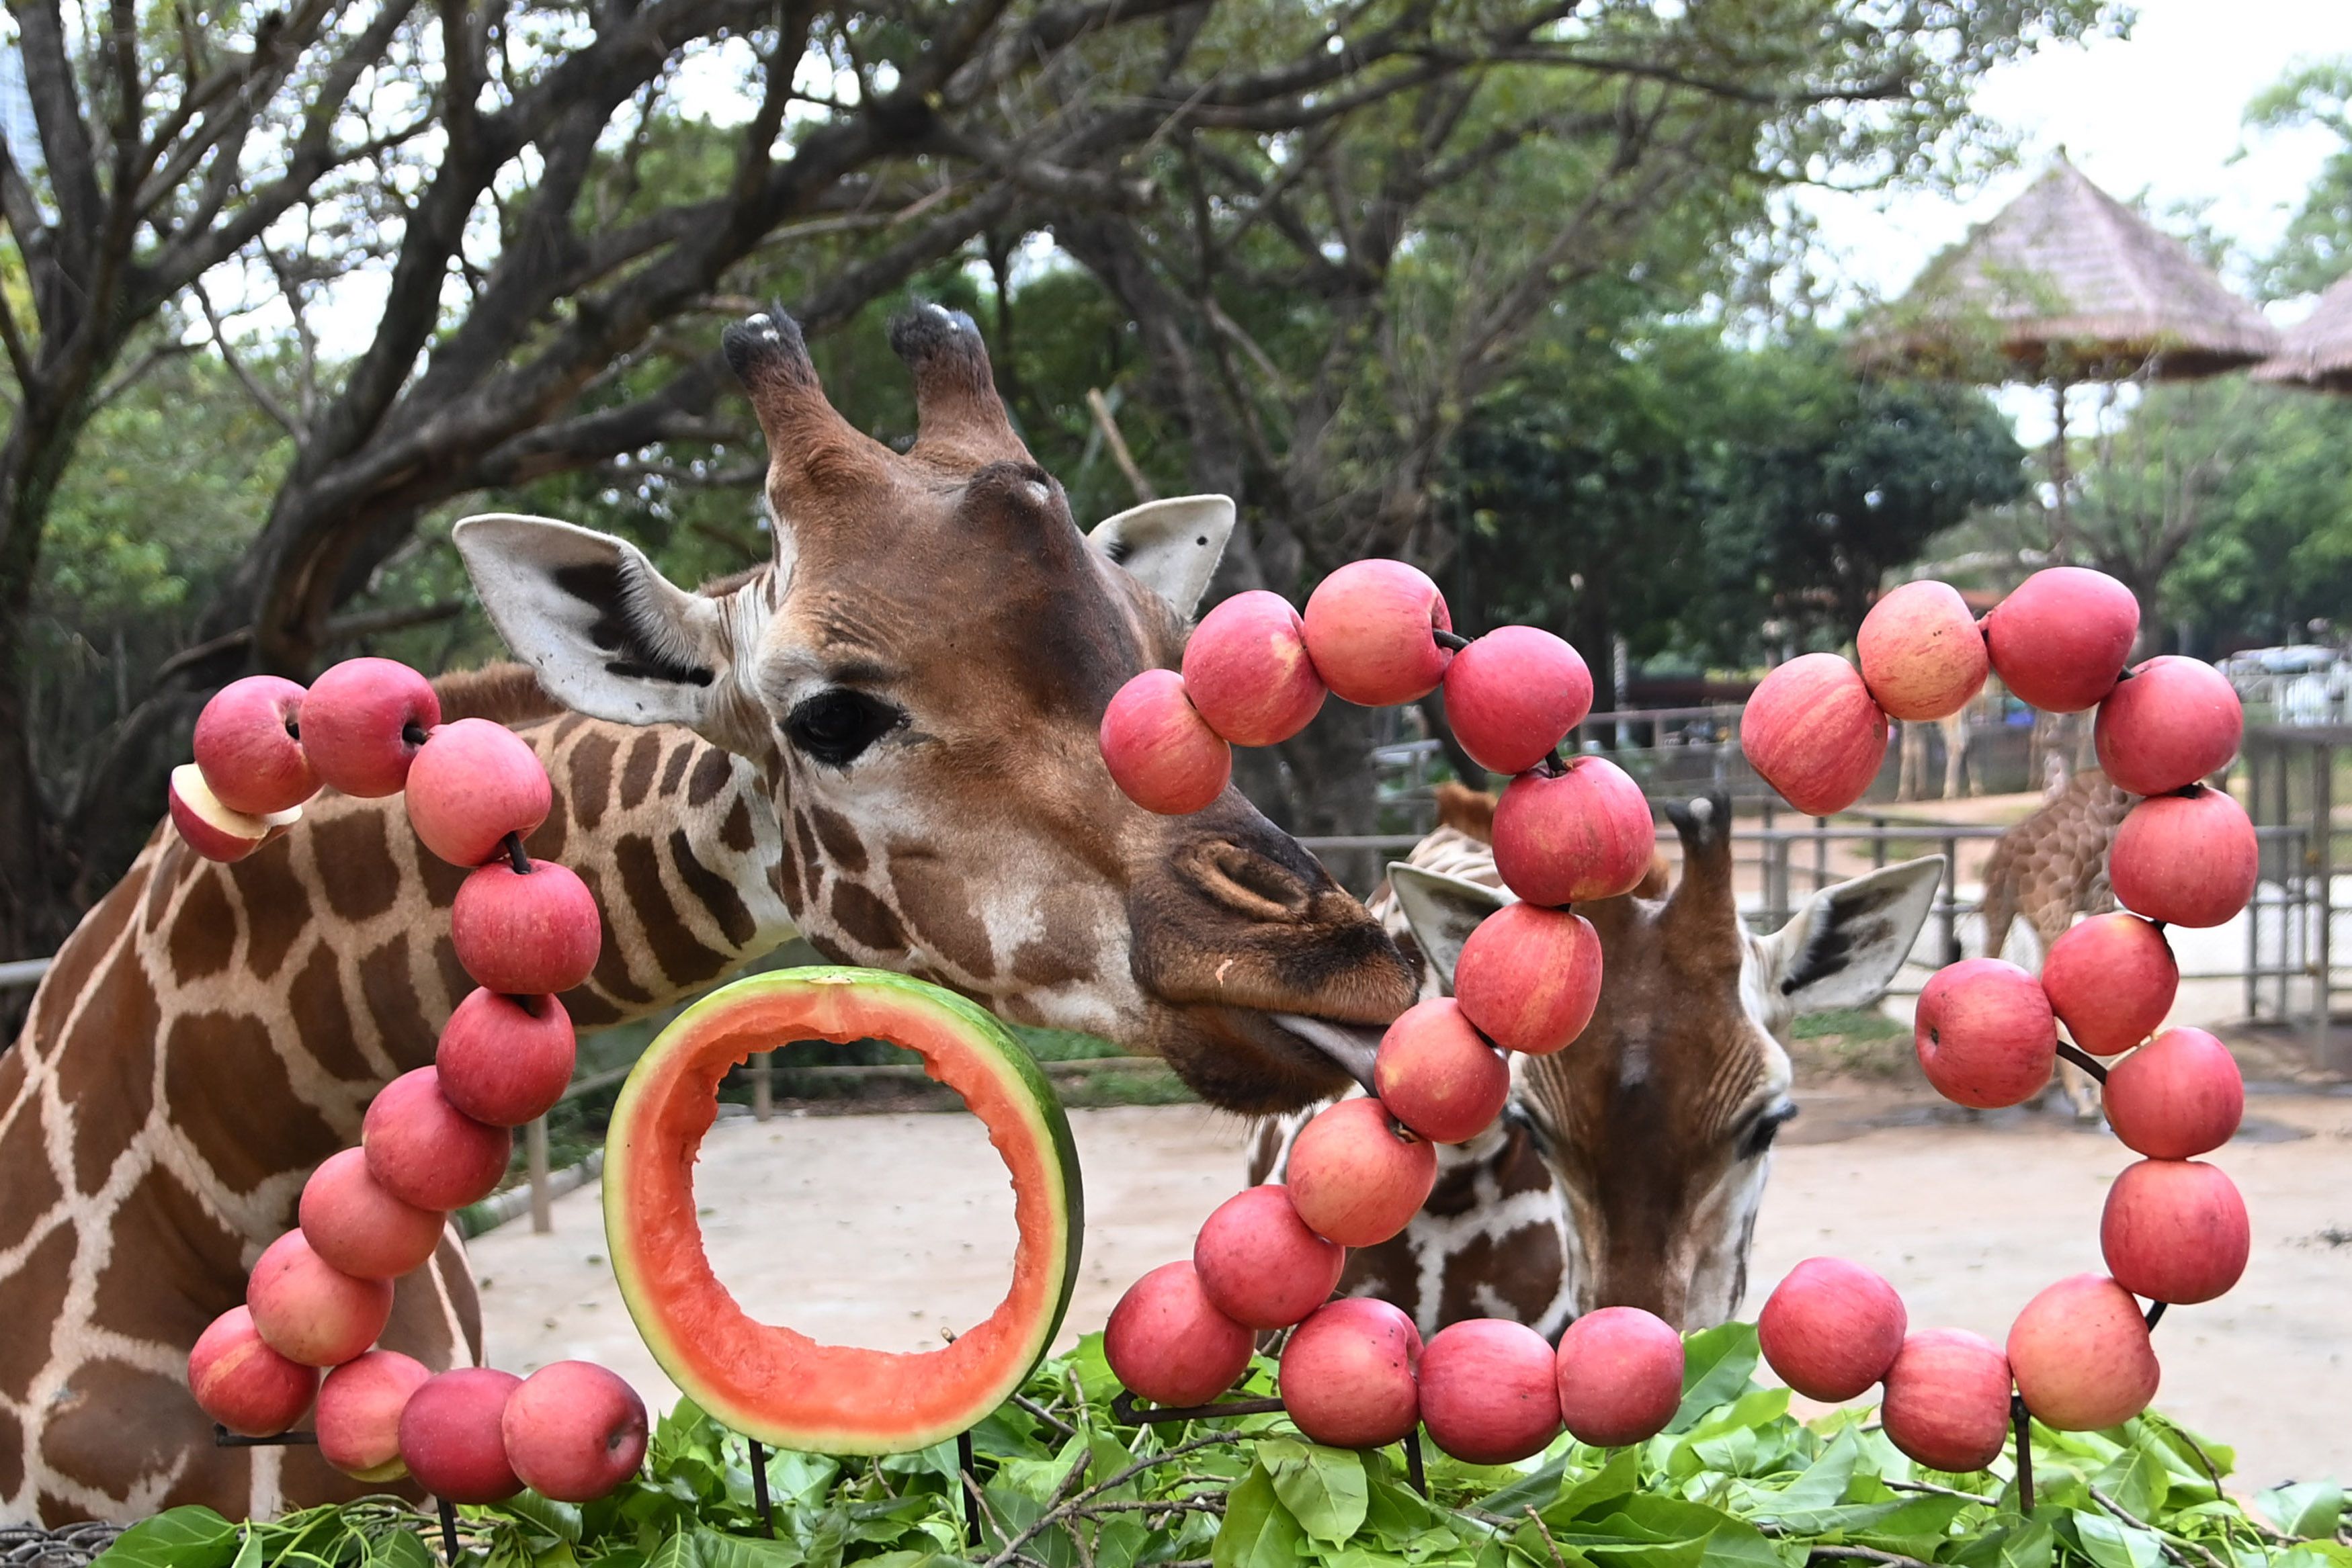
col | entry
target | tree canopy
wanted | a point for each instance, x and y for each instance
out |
(443, 252)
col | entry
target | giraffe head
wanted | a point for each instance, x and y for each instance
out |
(920, 673)
(1658, 1122)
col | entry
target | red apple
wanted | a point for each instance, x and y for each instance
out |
(1619, 1375)
(1514, 694)
(1356, 1179)
(1260, 1264)
(424, 1151)
(526, 932)
(358, 1413)
(472, 783)
(1347, 1376)
(211, 829)
(1985, 1033)
(2081, 1354)
(2178, 1095)
(1528, 977)
(1921, 656)
(246, 747)
(357, 1227)
(1573, 836)
(1160, 752)
(506, 1060)
(2175, 1230)
(1247, 673)
(241, 1383)
(1831, 1329)
(1168, 1343)
(2110, 981)
(575, 1431)
(2060, 640)
(2174, 722)
(363, 723)
(310, 1311)
(1437, 1076)
(1368, 631)
(1812, 731)
(452, 1437)
(1489, 1392)
(1947, 1402)
(2188, 859)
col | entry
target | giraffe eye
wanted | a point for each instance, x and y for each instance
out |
(1765, 1127)
(834, 727)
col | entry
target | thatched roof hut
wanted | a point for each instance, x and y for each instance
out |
(2317, 351)
(2067, 284)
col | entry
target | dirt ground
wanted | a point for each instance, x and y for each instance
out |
(883, 1230)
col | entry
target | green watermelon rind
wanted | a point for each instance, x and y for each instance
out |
(991, 1044)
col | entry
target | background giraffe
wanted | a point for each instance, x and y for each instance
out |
(885, 739)
(1626, 1170)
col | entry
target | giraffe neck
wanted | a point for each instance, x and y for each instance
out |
(209, 1033)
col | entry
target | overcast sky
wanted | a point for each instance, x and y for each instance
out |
(2157, 114)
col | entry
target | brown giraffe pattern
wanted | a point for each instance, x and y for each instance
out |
(1626, 1170)
(2051, 867)
(884, 737)
(211, 1033)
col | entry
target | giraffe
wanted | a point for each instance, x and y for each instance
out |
(2051, 867)
(1626, 1170)
(882, 738)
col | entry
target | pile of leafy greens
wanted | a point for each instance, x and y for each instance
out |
(1736, 1481)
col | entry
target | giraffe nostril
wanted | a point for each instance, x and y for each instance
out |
(1234, 876)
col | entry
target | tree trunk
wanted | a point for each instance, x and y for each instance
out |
(37, 864)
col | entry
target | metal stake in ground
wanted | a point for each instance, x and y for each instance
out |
(448, 1530)
(966, 1472)
(760, 1487)
(2022, 1421)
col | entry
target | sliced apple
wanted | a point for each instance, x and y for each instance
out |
(211, 829)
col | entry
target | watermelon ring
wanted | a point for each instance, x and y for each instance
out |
(770, 1381)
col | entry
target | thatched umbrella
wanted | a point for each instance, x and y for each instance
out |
(2317, 351)
(2064, 284)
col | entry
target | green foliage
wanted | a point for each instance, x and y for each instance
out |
(2317, 248)
(2272, 550)
(1681, 491)
(1734, 1483)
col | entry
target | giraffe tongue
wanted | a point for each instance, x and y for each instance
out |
(1352, 1046)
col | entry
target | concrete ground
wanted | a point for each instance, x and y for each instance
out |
(883, 1230)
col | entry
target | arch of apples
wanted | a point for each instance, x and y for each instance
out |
(434, 1140)
(1354, 1372)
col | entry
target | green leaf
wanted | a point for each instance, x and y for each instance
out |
(676, 1550)
(1323, 1489)
(1259, 1531)
(2307, 1508)
(1620, 1478)
(1822, 1483)
(2109, 1543)
(2030, 1544)
(176, 1538)
(720, 1551)
(1716, 1365)
(560, 1519)
(2139, 1480)
(398, 1548)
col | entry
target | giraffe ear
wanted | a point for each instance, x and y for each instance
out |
(1441, 912)
(608, 634)
(1172, 547)
(1844, 948)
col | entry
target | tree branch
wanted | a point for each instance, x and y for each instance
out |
(263, 398)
